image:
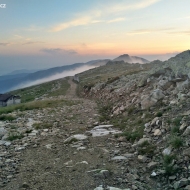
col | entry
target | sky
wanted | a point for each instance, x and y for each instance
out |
(42, 34)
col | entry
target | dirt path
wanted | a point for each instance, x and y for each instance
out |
(49, 163)
(71, 93)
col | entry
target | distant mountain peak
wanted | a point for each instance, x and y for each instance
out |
(131, 59)
(124, 55)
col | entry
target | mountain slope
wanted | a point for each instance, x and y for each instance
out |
(18, 81)
(21, 71)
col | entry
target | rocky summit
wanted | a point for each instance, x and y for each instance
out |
(120, 126)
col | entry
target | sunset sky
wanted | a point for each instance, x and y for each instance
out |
(36, 34)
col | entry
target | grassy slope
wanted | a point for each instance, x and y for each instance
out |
(53, 88)
(49, 89)
(109, 72)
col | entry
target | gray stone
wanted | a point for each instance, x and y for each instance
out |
(147, 124)
(186, 152)
(119, 158)
(75, 137)
(183, 126)
(165, 84)
(148, 102)
(153, 122)
(152, 165)
(157, 94)
(187, 131)
(183, 182)
(127, 155)
(187, 187)
(153, 174)
(141, 141)
(142, 158)
(157, 132)
(103, 130)
(7, 143)
(167, 151)
(2, 132)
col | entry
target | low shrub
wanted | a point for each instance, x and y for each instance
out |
(159, 114)
(176, 142)
(13, 137)
(42, 125)
(175, 129)
(177, 121)
(168, 165)
(146, 148)
(7, 117)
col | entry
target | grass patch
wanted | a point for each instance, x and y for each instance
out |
(7, 118)
(131, 110)
(36, 105)
(104, 111)
(159, 114)
(177, 121)
(119, 122)
(168, 165)
(176, 142)
(169, 121)
(132, 136)
(42, 125)
(146, 148)
(175, 129)
(13, 137)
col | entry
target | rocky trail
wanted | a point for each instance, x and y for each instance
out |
(66, 147)
(73, 154)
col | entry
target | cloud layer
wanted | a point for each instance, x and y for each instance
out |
(54, 77)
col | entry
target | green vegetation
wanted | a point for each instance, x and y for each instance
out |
(159, 114)
(176, 142)
(146, 148)
(111, 80)
(177, 121)
(175, 129)
(7, 118)
(53, 88)
(36, 105)
(133, 135)
(42, 125)
(168, 165)
(105, 111)
(13, 137)
(131, 110)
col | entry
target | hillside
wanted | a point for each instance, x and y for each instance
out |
(123, 126)
(21, 80)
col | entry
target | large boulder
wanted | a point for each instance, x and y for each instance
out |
(183, 85)
(157, 94)
(164, 84)
(148, 102)
(151, 100)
